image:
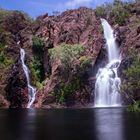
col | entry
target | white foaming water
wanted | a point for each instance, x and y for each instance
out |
(108, 83)
(113, 53)
(31, 89)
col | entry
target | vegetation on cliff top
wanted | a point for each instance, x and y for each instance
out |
(68, 54)
(118, 11)
(11, 23)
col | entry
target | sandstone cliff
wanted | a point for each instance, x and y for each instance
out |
(56, 85)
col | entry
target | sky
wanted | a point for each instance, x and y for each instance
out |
(38, 7)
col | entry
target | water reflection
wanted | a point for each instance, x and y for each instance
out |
(109, 124)
(17, 124)
(27, 129)
(69, 124)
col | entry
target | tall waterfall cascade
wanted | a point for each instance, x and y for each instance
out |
(31, 89)
(107, 84)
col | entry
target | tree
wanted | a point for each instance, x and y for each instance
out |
(67, 54)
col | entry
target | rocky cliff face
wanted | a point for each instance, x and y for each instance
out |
(130, 36)
(71, 27)
(81, 26)
(12, 79)
(16, 89)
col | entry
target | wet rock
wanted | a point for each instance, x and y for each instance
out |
(49, 99)
(16, 89)
(3, 102)
(138, 30)
(125, 64)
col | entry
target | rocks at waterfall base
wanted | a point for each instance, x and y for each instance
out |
(80, 26)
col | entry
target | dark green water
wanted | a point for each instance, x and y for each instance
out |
(69, 124)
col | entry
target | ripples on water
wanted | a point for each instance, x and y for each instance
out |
(69, 124)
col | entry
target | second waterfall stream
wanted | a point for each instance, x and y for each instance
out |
(31, 89)
(107, 81)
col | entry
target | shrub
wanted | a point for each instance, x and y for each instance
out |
(74, 62)
(36, 66)
(2, 58)
(2, 45)
(73, 68)
(85, 61)
(68, 54)
(135, 107)
(120, 14)
(38, 44)
(39, 85)
(5, 60)
(15, 21)
(116, 11)
(131, 82)
(37, 71)
(38, 48)
(65, 91)
(3, 14)
(101, 11)
(132, 74)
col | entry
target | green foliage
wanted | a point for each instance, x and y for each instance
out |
(2, 45)
(36, 66)
(135, 107)
(120, 13)
(8, 61)
(38, 47)
(85, 61)
(74, 62)
(132, 74)
(3, 14)
(101, 11)
(15, 21)
(4, 60)
(116, 11)
(67, 54)
(11, 22)
(39, 85)
(4, 35)
(66, 90)
(101, 29)
(37, 70)
(131, 82)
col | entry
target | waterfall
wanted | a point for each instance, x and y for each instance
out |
(107, 81)
(31, 89)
